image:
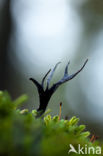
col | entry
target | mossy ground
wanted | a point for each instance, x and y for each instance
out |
(21, 133)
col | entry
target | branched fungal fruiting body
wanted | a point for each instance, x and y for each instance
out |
(45, 94)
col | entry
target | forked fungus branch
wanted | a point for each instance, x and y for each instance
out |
(45, 94)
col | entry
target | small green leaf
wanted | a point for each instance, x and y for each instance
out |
(85, 134)
(47, 119)
(24, 111)
(20, 100)
(56, 118)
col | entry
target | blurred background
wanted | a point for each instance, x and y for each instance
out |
(35, 35)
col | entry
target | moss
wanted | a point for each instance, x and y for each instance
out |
(21, 133)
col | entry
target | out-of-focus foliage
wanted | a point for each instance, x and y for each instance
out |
(21, 133)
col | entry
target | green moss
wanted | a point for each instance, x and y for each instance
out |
(21, 133)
